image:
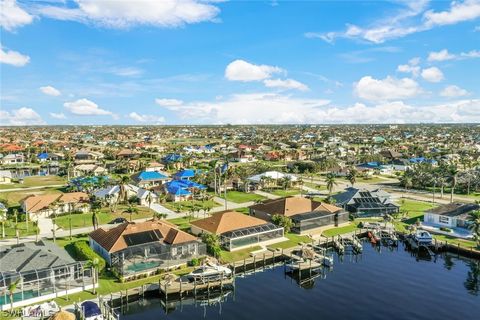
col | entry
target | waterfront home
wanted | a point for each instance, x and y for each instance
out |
(131, 248)
(308, 216)
(148, 179)
(47, 205)
(110, 194)
(366, 203)
(88, 170)
(13, 158)
(5, 176)
(452, 215)
(46, 272)
(237, 230)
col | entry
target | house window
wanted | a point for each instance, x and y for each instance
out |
(443, 219)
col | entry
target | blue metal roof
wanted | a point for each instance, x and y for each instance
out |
(172, 157)
(151, 175)
(185, 173)
(43, 155)
(182, 187)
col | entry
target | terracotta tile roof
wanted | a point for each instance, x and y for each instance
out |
(291, 206)
(113, 240)
(36, 203)
(225, 221)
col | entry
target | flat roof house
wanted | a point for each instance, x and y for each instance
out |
(46, 272)
(366, 203)
(450, 215)
(133, 248)
(237, 230)
(307, 215)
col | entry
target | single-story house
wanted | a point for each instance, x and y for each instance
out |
(184, 174)
(450, 215)
(128, 154)
(270, 178)
(147, 179)
(180, 190)
(88, 169)
(110, 194)
(131, 248)
(237, 230)
(5, 176)
(307, 215)
(47, 205)
(46, 272)
(366, 203)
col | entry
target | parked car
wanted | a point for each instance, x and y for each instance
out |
(118, 220)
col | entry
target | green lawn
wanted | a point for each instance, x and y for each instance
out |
(241, 197)
(340, 230)
(22, 227)
(293, 240)
(227, 256)
(105, 216)
(243, 210)
(14, 197)
(184, 206)
(182, 223)
(35, 181)
(285, 193)
(316, 186)
(413, 211)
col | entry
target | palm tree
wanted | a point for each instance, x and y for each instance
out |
(122, 186)
(330, 180)
(36, 228)
(131, 209)
(95, 265)
(95, 212)
(474, 224)
(12, 287)
(3, 220)
(352, 175)
(407, 181)
(149, 199)
(452, 175)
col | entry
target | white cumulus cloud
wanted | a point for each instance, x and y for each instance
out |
(441, 55)
(168, 102)
(50, 91)
(60, 115)
(412, 67)
(285, 84)
(20, 117)
(458, 12)
(128, 13)
(146, 118)
(390, 88)
(432, 74)
(241, 70)
(12, 16)
(85, 107)
(453, 91)
(13, 58)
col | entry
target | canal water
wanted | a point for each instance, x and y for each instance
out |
(378, 284)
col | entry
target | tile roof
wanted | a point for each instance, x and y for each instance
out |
(39, 202)
(291, 206)
(226, 221)
(114, 239)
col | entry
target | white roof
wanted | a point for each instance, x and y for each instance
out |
(272, 174)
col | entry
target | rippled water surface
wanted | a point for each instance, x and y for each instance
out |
(375, 285)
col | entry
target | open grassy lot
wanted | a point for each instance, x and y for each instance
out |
(14, 197)
(182, 223)
(241, 197)
(105, 216)
(285, 193)
(413, 211)
(35, 181)
(184, 206)
(293, 240)
(227, 256)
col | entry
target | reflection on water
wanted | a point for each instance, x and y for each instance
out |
(382, 283)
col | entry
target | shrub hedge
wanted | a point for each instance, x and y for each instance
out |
(84, 252)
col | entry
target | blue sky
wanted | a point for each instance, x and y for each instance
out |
(239, 62)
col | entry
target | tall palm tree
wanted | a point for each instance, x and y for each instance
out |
(352, 175)
(474, 224)
(95, 266)
(12, 287)
(407, 181)
(122, 186)
(331, 181)
(95, 212)
(452, 176)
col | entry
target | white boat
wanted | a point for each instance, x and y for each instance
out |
(210, 272)
(423, 237)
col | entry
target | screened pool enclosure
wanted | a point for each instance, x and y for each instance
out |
(151, 256)
(249, 236)
(36, 285)
(312, 220)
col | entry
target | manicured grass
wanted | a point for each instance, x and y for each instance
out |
(285, 193)
(293, 240)
(227, 256)
(243, 210)
(22, 228)
(35, 181)
(182, 223)
(316, 186)
(340, 230)
(241, 197)
(452, 240)
(14, 197)
(105, 216)
(413, 211)
(184, 206)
